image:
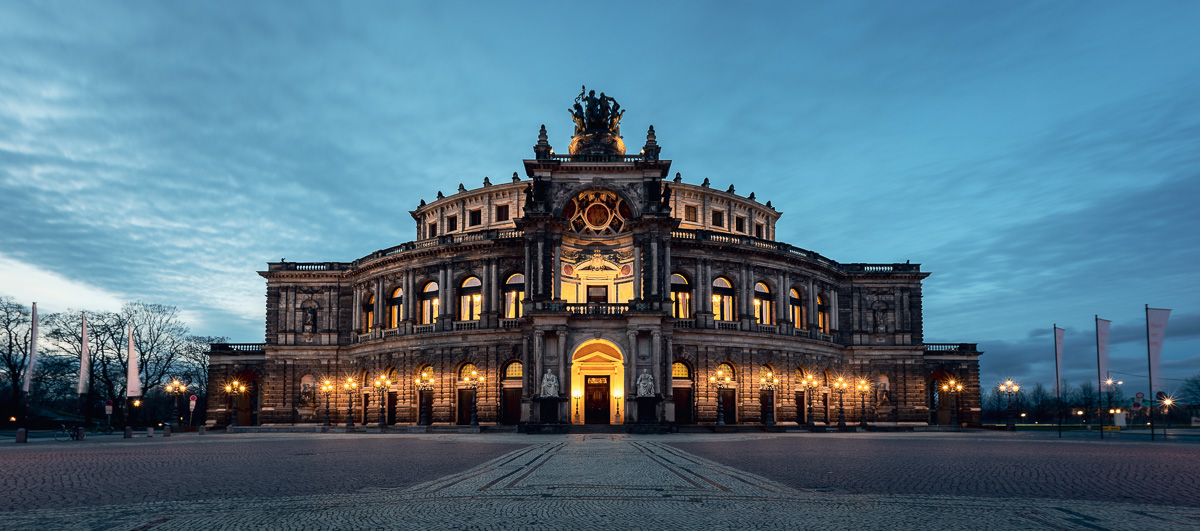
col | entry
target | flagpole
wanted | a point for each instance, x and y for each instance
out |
(1150, 371)
(84, 387)
(1057, 380)
(1099, 379)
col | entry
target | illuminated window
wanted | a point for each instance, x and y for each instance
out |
(689, 213)
(429, 304)
(514, 294)
(396, 308)
(723, 297)
(368, 314)
(725, 372)
(681, 297)
(822, 314)
(799, 310)
(502, 213)
(763, 307)
(514, 370)
(468, 371)
(680, 370)
(470, 299)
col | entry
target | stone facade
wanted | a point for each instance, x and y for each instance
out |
(596, 271)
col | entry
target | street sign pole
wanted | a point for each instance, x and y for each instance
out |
(191, 408)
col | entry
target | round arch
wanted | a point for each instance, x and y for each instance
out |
(597, 383)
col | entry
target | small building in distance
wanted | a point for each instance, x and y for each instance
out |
(595, 289)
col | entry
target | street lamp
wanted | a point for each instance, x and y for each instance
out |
(721, 381)
(576, 394)
(472, 382)
(863, 388)
(1166, 403)
(618, 395)
(382, 384)
(767, 383)
(424, 385)
(350, 387)
(1009, 389)
(810, 385)
(1110, 388)
(175, 388)
(953, 388)
(232, 390)
(840, 387)
(327, 388)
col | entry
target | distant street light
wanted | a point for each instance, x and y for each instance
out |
(382, 384)
(721, 381)
(327, 388)
(810, 385)
(840, 387)
(424, 385)
(767, 385)
(232, 391)
(472, 382)
(350, 386)
(863, 387)
(952, 388)
(1009, 389)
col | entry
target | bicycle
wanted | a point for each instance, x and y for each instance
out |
(66, 434)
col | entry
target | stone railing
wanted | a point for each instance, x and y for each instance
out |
(965, 348)
(236, 348)
(307, 266)
(729, 325)
(597, 158)
(602, 309)
(424, 329)
(466, 325)
(750, 241)
(511, 323)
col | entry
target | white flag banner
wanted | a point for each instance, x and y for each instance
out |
(1058, 346)
(133, 385)
(84, 359)
(1102, 326)
(1156, 332)
(32, 353)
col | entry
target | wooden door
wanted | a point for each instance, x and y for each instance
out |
(465, 397)
(391, 408)
(510, 413)
(729, 405)
(595, 400)
(425, 405)
(683, 405)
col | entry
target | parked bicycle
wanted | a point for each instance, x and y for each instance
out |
(67, 434)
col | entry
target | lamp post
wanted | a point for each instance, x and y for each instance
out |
(381, 386)
(1166, 406)
(1009, 389)
(175, 389)
(350, 386)
(810, 387)
(232, 390)
(618, 395)
(472, 382)
(952, 388)
(1110, 389)
(721, 381)
(576, 394)
(840, 387)
(767, 384)
(424, 385)
(863, 387)
(327, 388)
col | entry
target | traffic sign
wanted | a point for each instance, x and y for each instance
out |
(192, 405)
(108, 402)
(192, 398)
(1140, 396)
(108, 407)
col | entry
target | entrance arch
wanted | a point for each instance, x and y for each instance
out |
(597, 380)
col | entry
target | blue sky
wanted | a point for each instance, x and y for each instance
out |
(1039, 158)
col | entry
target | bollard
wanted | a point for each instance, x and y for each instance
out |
(166, 430)
(128, 432)
(202, 430)
(81, 434)
(149, 432)
(22, 435)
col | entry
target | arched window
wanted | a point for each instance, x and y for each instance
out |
(368, 314)
(680, 371)
(799, 310)
(763, 306)
(767, 374)
(514, 294)
(725, 372)
(514, 371)
(470, 299)
(681, 297)
(429, 304)
(396, 308)
(468, 370)
(822, 314)
(723, 295)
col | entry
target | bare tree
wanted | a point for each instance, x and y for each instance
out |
(15, 331)
(1041, 403)
(159, 336)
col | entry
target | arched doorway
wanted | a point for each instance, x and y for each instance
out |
(939, 405)
(244, 404)
(597, 383)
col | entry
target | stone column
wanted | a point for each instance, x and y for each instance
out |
(631, 364)
(637, 271)
(656, 359)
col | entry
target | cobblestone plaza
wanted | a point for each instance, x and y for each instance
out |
(601, 481)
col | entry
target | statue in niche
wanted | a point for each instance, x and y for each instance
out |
(666, 196)
(880, 316)
(645, 384)
(310, 320)
(528, 196)
(549, 384)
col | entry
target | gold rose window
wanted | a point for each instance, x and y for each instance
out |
(597, 212)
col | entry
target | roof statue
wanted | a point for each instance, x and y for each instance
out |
(597, 124)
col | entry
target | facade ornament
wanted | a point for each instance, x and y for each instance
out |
(516, 178)
(461, 188)
(542, 150)
(441, 195)
(651, 150)
(730, 190)
(549, 384)
(678, 177)
(645, 384)
(597, 124)
(751, 196)
(665, 204)
(705, 184)
(422, 204)
(486, 181)
(769, 205)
